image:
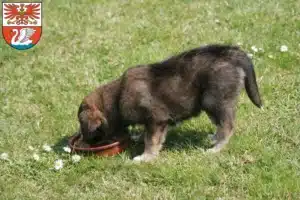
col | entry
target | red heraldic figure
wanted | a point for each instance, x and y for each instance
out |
(22, 24)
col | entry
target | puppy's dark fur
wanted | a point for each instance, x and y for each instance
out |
(206, 79)
(98, 113)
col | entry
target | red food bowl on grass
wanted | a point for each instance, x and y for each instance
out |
(104, 148)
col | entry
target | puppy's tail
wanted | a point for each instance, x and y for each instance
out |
(251, 84)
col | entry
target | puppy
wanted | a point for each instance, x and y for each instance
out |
(98, 113)
(161, 94)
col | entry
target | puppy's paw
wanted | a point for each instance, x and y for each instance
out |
(144, 158)
(213, 150)
(217, 147)
(213, 138)
(137, 159)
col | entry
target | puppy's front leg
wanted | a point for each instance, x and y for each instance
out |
(154, 139)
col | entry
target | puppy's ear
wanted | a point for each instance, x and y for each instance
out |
(91, 118)
(99, 117)
(83, 119)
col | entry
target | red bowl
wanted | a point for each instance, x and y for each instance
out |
(113, 147)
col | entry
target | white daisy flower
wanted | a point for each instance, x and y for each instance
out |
(254, 48)
(217, 21)
(67, 149)
(75, 158)
(271, 56)
(4, 156)
(250, 55)
(58, 164)
(36, 157)
(283, 48)
(109, 14)
(47, 148)
(30, 148)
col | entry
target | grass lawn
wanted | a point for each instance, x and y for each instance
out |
(90, 42)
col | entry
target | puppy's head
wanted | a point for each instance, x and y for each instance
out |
(92, 122)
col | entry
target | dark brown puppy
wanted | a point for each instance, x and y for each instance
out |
(98, 113)
(206, 79)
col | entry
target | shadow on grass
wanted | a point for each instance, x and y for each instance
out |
(177, 140)
(63, 142)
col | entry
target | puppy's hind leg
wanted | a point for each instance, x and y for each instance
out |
(154, 139)
(212, 137)
(224, 119)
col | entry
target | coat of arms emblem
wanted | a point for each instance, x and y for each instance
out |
(22, 24)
